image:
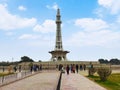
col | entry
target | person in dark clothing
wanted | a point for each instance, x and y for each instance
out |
(31, 69)
(73, 68)
(84, 67)
(81, 68)
(35, 68)
(3, 69)
(41, 67)
(19, 68)
(91, 65)
(67, 69)
(60, 67)
(77, 68)
(15, 68)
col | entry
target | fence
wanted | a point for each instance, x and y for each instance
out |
(14, 77)
(59, 82)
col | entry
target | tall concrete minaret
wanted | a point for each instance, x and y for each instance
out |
(58, 54)
(58, 45)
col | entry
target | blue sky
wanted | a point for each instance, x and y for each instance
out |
(90, 29)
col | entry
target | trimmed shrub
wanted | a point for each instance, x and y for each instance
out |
(103, 73)
(91, 71)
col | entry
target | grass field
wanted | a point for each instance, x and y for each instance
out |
(5, 74)
(113, 82)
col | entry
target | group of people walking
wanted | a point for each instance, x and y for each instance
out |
(35, 67)
(75, 68)
(32, 68)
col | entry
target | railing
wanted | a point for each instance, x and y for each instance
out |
(59, 82)
(14, 77)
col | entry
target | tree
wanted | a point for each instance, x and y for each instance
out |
(26, 59)
(101, 61)
(40, 61)
(4, 63)
(106, 61)
(103, 73)
(115, 61)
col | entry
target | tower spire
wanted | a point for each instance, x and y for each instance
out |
(58, 11)
(58, 45)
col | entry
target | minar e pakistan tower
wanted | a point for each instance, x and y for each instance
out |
(58, 54)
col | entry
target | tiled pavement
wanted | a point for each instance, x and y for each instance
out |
(78, 82)
(42, 81)
(49, 80)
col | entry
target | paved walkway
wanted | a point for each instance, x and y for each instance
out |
(42, 81)
(78, 82)
(49, 80)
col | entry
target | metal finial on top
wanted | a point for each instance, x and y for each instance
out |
(58, 11)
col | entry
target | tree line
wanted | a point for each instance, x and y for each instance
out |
(114, 61)
(23, 59)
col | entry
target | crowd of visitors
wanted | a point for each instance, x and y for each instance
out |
(72, 68)
(35, 68)
(32, 68)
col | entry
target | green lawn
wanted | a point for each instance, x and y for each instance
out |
(113, 82)
(5, 74)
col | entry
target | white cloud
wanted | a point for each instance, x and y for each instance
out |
(9, 21)
(36, 40)
(46, 27)
(102, 38)
(29, 36)
(54, 6)
(22, 8)
(9, 33)
(112, 5)
(90, 24)
(105, 3)
(118, 20)
(95, 32)
(4, 1)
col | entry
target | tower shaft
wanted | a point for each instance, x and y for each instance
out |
(58, 45)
